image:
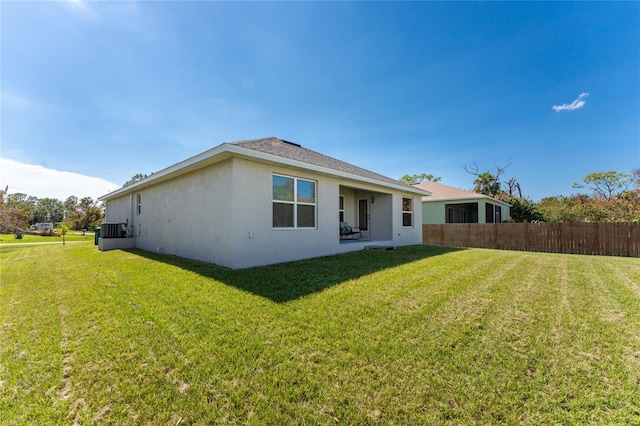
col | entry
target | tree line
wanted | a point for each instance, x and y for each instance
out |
(613, 196)
(19, 211)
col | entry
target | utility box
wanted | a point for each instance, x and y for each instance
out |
(113, 230)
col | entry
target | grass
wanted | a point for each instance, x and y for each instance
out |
(421, 335)
(70, 237)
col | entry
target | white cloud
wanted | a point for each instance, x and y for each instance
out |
(80, 4)
(82, 9)
(41, 182)
(577, 104)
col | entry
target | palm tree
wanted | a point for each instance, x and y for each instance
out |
(486, 183)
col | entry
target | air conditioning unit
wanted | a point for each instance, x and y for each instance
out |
(113, 230)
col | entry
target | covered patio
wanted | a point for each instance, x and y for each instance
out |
(369, 212)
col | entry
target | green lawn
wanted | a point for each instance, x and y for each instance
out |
(71, 236)
(421, 335)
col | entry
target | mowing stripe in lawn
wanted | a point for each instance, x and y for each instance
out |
(420, 335)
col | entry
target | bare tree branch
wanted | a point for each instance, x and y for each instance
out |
(500, 170)
(472, 169)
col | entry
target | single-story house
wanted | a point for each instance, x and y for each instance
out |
(259, 202)
(448, 204)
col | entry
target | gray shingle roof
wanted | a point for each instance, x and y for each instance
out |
(272, 146)
(294, 151)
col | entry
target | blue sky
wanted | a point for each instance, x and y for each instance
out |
(107, 90)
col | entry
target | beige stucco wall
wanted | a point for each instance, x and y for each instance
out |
(106, 244)
(189, 216)
(380, 210)
(119, 210)
(223, 214)
(403, 235)
(255, 241)
(350, 205)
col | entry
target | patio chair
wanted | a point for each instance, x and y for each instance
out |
(349, 233)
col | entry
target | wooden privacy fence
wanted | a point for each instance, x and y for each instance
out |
(609, 239)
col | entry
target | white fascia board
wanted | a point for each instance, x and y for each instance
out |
(204, 159)
(225, 151)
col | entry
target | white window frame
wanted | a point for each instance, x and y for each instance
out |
(407, 212)
(341, 208)
(296, 203)
(138, 204)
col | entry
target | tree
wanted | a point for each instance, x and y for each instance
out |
(70, 205)
(17, 210)
(135, 178)
(64, 229)
(636, 180)
(607, 185)
(563, 209)
(611, 200)
(12, 217)
(583, 208)
(84, 215)
(48, 210)
(411, 179)
(523, 210)
(487, 183)
(513, 186)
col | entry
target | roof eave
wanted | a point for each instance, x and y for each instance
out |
(204, 159)
(480, 196)
(275, 159)
(226, 150)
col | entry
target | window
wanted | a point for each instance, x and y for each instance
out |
(450, 215)
(139, 201)
(489, 213)
(463, 216)
(407, 212)
(294, 202)
(341, 208)
(498, 214)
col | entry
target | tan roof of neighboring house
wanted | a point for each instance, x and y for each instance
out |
(441, 192)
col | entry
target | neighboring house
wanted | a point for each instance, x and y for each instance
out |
(46, 226)
(447, 204)
(259, 202)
